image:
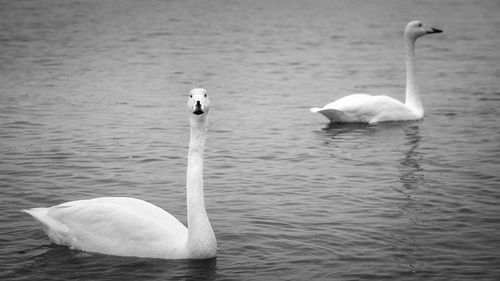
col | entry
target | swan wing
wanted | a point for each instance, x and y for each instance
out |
(385, 108)
(113, 225)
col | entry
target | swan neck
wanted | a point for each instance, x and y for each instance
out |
(199, 228)
(412, 96)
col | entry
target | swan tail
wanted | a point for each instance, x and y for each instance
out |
(38, 215)
(315, 109)
(57, 231)
(333, 115)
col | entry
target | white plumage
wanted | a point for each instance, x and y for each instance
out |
(365, 108)
(125, 226)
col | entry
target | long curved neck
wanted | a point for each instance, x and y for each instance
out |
(412, 97)
(199, 227)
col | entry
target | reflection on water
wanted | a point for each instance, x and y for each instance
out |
(410, 174)
(407, 239)
(59, 263)
(346, 127)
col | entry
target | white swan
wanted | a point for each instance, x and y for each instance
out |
(131, 227)
(365, 108)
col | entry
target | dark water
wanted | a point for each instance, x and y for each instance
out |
(92, 103)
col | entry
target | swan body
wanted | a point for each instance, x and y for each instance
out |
(365, 108)
(125, 226)
(118, 226)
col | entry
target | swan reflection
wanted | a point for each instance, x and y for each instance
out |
(410, 168)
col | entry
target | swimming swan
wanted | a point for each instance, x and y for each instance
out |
(365, 108)
(125, 226)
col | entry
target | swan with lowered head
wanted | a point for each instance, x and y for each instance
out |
(125, 226)
(363, 108)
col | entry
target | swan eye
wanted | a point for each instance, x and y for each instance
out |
(190, 96)
(205, 95)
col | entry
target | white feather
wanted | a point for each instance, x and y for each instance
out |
(132, 227)
(365, 108)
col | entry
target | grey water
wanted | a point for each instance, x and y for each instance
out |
(93, 103)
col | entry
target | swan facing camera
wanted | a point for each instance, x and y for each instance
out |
(198, 102)
(125, 226)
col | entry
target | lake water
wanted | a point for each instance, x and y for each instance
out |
(93, 103)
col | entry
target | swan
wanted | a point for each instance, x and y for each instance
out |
(365, 108)
(125, 226)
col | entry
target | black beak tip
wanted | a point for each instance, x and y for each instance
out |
(435, 30)
(198, 110)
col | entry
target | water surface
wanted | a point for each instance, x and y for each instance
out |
(92, 103)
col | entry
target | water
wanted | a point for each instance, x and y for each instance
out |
(92, 103)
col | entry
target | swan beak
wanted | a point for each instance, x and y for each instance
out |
(198, 110)
(434, 30)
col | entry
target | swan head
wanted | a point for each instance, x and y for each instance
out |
(198, 103)
(417, 29)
